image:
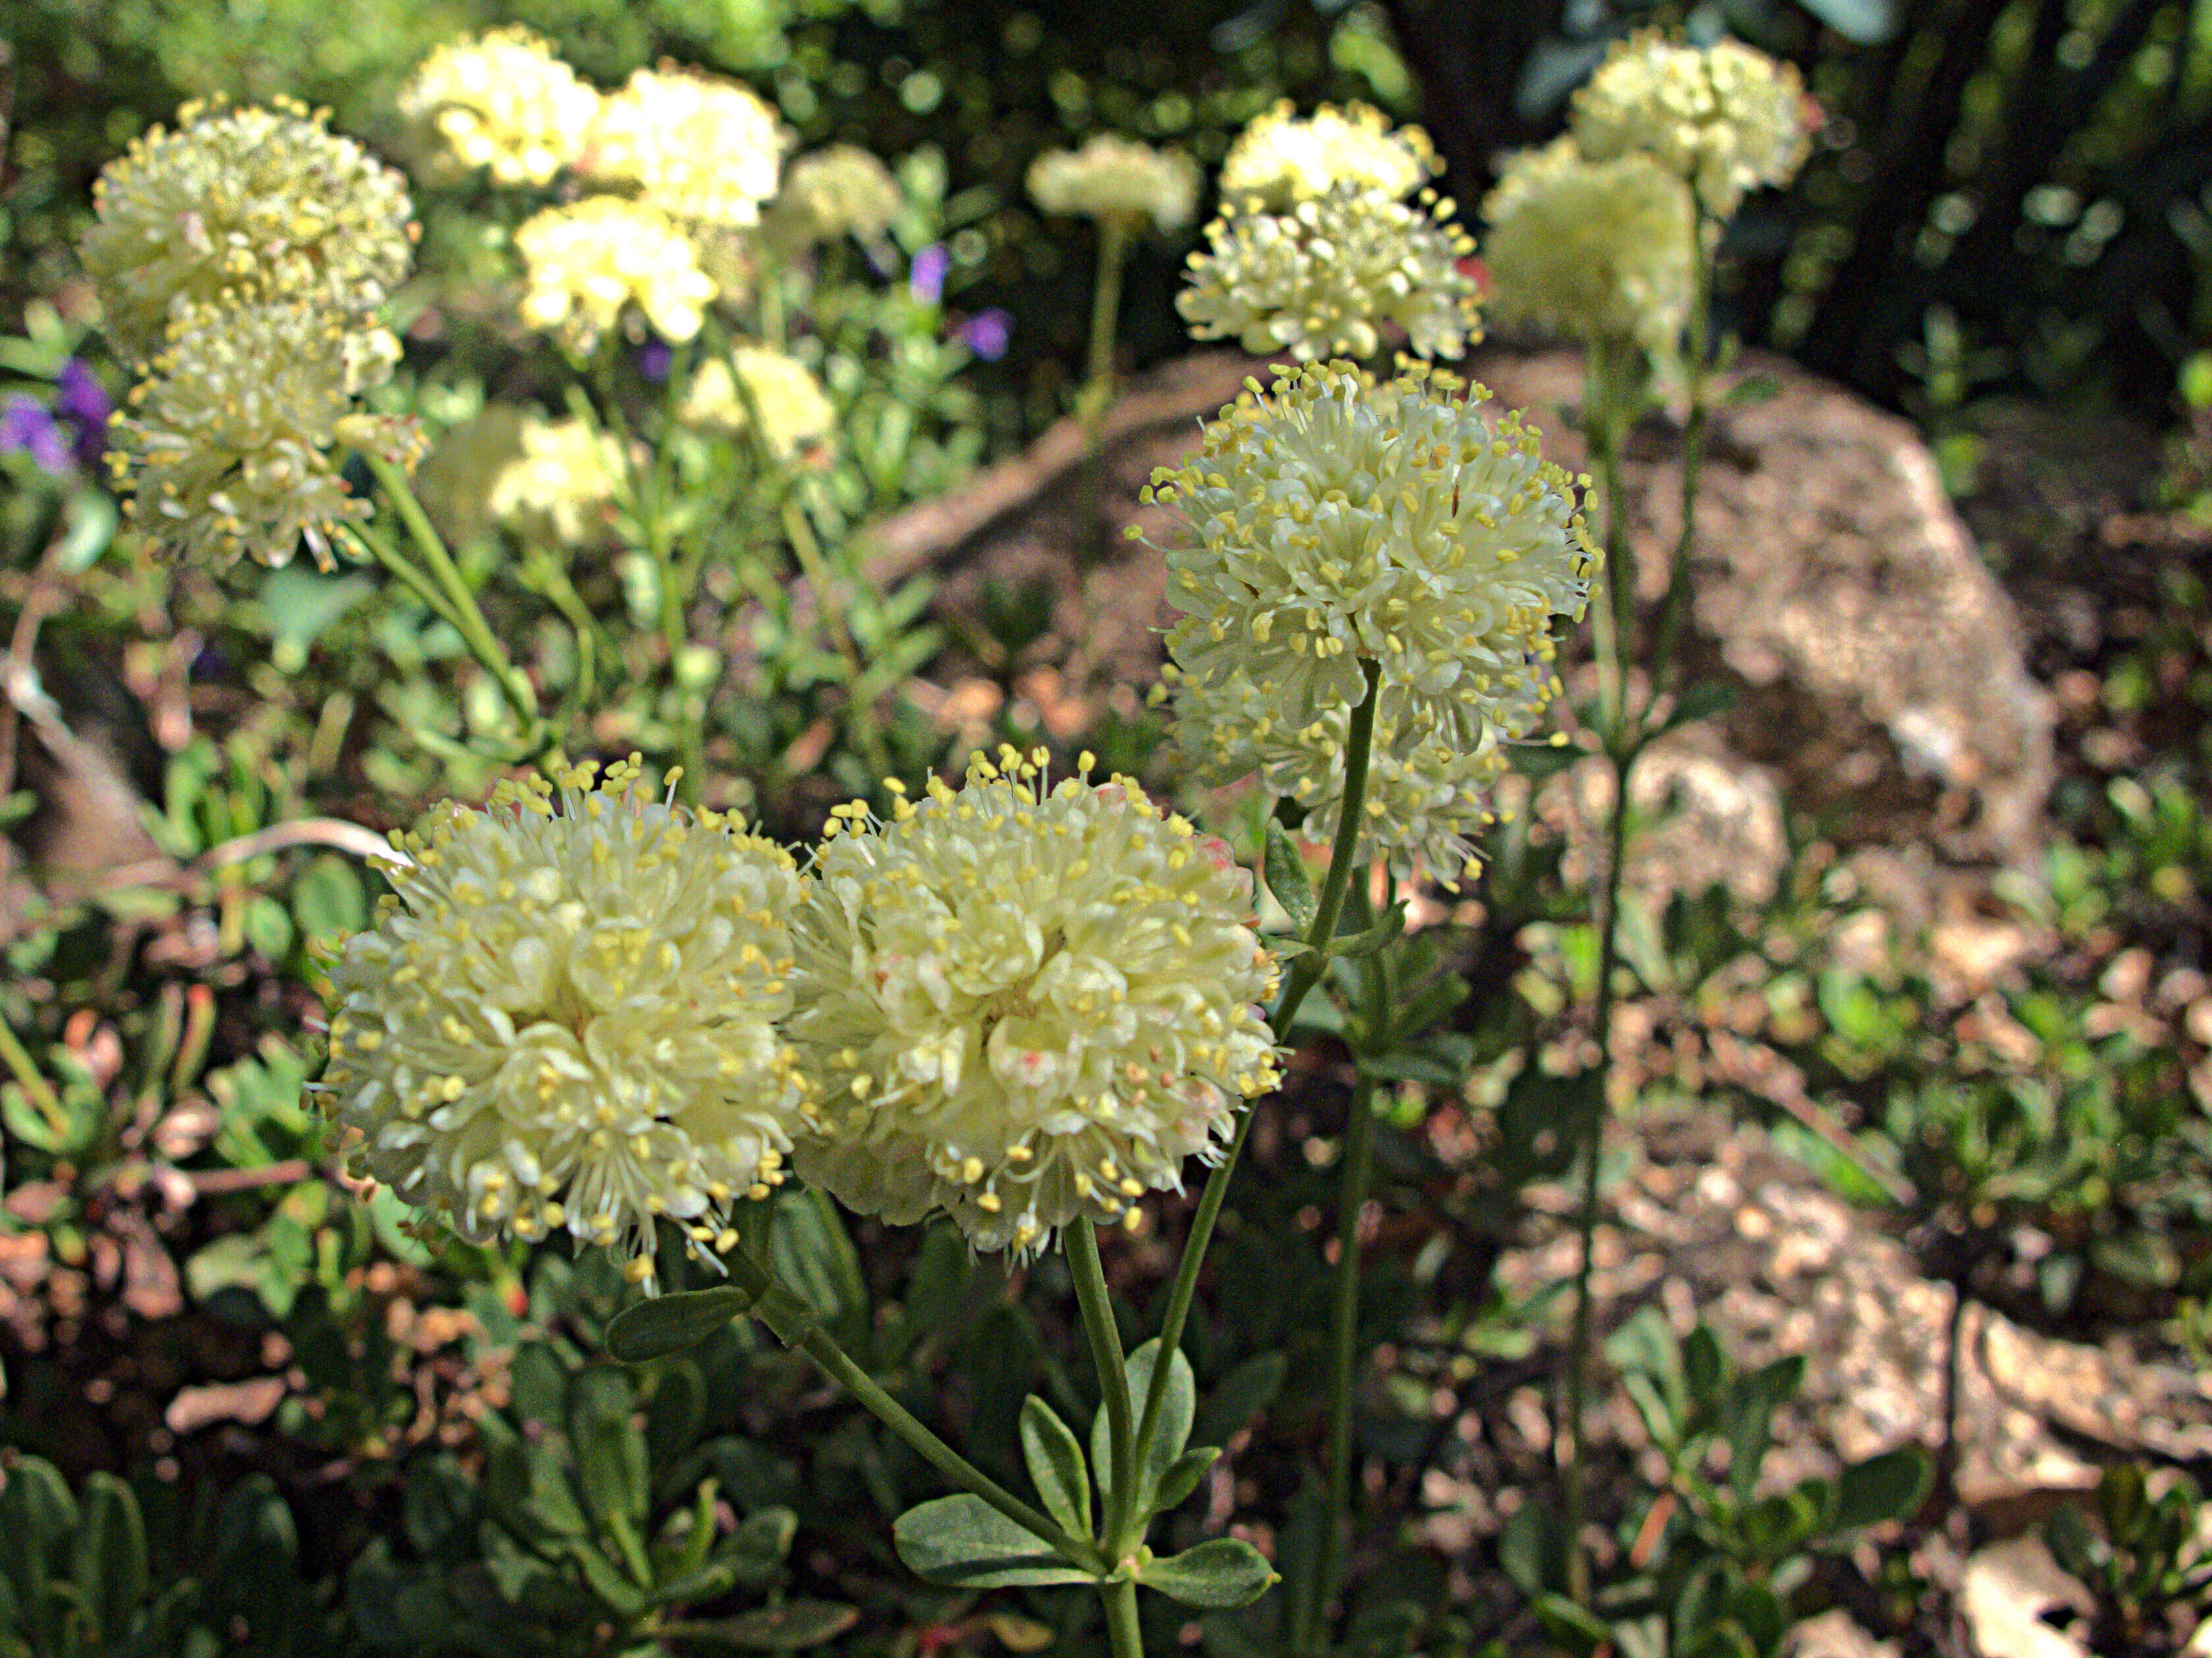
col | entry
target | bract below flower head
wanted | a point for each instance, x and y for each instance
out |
(1324, 278)
(1024, 1005)
(1335, 519)
(1599, 250)
(233, 444)
(566, 1019)
(584, 263)
(1727, 118)
(696, 146)
(1112, 178)
(499, 101)
(238, 206)
(1280, 160)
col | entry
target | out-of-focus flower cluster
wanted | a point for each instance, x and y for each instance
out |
(500, 101)
(1317, 253)
(549, 481)
(795, 414)
(589, 263)
(698, 147)
(838, 191)
(1113, 180)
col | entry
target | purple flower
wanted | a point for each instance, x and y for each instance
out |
(26, 426)
(653, 359)
(987, 333)
(926, 281)
(81, 399)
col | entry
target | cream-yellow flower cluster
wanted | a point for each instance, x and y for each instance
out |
(700, 148)
(795, 414)
(1024, 1005)
(501, 101)
(1280, 160)
(549, 481)
(568, 1019)
(1599, 250)
(1726, 118)
(1335, 521)
(1113, 179)
(240, 205)
(605, 261)
(838, 191)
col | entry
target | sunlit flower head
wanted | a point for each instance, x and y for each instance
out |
(1114, 179)
(1024, 1005)
(1326, 278)
(1282, 159)
(566, 1019)
(795, 414)
(696, 146)
(233, 444)
(499, 101)
(1726, 118)
(585, 264)
(240, 205)
(1336, 520)
(1599, 250)
(549, 481)
(840, 190)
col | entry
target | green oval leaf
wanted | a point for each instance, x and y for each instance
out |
(1220, 1575)
(1182, 1476)
(964, 1541)
(669, 1324)
(1055, 1463)
(1885, 1487)
(1285, 872)
(1177, 1411)
(787, 1628)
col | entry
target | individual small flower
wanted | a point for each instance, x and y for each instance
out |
(233, 444)
(696, 146)
(795, 414)
(1726, 118)
(987, 333)
(1023, 1006)
(1112, 178)
(1280, 160)
(584, 263)
(1337, 521)
(240, 205)
(566, 1019)
(1322, 279)
(499, 101)
(27, 427)
(841, 191)
(82, 401)
(1600, 251)
(926, 279)
(547, 481)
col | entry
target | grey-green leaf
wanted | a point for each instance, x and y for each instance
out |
(1177, 1411)
(1287, 879)
(1219, 1574)
(669, 1324)
(1182, 1476)
(1055, 1463)
(963, 1541)
(790, 1627)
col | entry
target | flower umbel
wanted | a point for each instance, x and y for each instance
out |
(841, 191)
(566, 1019)
(1322, 279)
(1336, 519)
(795, 414)
(499, 101)
(229, 445)
(547, 480)
(696, 146)
(239, 205)
(1023, 1005)
(1111, 178)
(1600, 251)
(587, 262)
(1280, 160)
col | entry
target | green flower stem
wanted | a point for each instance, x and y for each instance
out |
(799, 530)
(1614, 627)
(1666, 667)
(1121, 1517)
(835, 1363)
(368, 545)
(1608, 955)
(42, 1092)
(1097, 393)
(465, 613)
(1305, 974)
(1122, 1630)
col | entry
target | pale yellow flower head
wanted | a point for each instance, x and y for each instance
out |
(499, 101)
(796, 414)
(1599, 250)
(605, 261)
(1280, 159)
(1112, 178)
(841, 191)
(696, 146)
(1024, 1003)
(1325, 278)
(233, 445)
(1335, 520)
(566, 1019)
(549, 481)
(1727, 118)
(238, 206)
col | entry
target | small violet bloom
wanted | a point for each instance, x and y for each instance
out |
(926, 281)
(26, 428)
(987, 333)
(653, 358)
(81, 399)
